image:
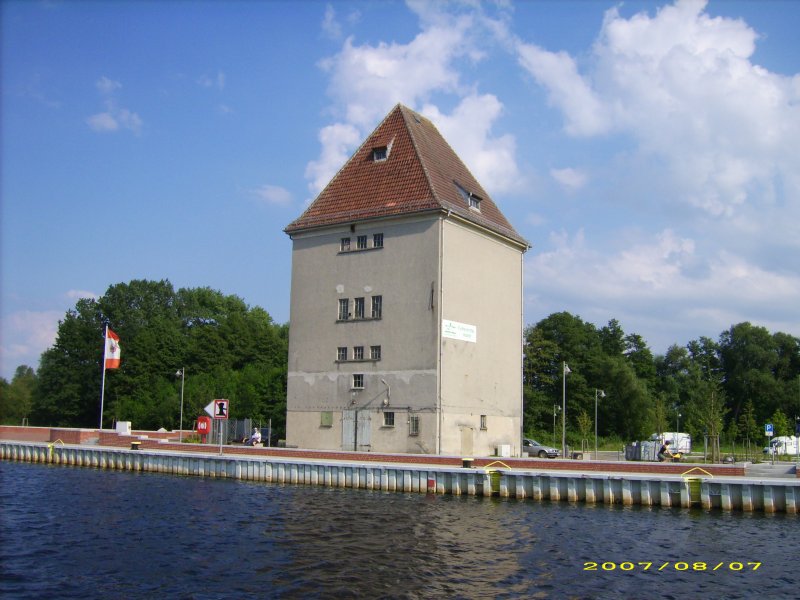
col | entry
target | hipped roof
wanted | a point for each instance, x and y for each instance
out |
(421, 173)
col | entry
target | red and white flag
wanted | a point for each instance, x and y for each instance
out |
(112, 352)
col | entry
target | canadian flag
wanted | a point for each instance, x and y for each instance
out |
(112, 352)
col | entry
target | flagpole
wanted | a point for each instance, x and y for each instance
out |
(565, 370)
(103, 386)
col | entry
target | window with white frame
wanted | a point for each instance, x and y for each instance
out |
(358, 381)
(344, 309)
(377, 307)
(377, 240)
(375, 352)
(413, 425)
(344, 244)
(483, 422)
(358, 352)
(359, 308)
(341, 353)
(361, 242)
(388, 419)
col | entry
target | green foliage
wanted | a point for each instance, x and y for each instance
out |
(734, 385)
(781, 424)
(228, 350)
(16, 398)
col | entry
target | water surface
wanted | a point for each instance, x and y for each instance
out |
(86, 533)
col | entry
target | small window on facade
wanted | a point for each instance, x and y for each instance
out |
(344, 245)
(388, 419)
(379, 154)
(341, 353)
(359, 308)
(483, 422)
(377, 307)
(413, 425)
(358, 381)
(326, 419)
(361, 242)
(375, 352)
(344, 309)
(377, 240)
(358, 353)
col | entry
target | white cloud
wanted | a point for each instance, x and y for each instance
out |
(682, 85)
(273, 195)
(102, 122)
(468, 130)
(367, 80)
(337, 142)
(663, 289)
(26, 334)
(330, 26)
(107, 86)
(212, 81)
(572, 179)
(114, 117)
(79, 294)
(558, 72)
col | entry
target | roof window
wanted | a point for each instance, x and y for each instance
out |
(381, 153)
(473, 200)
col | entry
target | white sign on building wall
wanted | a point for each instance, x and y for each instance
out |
(459, 331)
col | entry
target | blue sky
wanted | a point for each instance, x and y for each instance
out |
(647, 150)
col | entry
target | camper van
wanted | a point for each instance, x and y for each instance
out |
(782, 445)
(678, 442)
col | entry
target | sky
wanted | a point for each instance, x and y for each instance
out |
(648, 151)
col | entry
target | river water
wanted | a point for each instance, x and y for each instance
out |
(86, 533)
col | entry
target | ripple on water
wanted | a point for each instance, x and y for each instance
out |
(85, 533)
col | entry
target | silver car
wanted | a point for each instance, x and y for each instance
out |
(534, 448)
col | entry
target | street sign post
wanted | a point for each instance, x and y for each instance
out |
(219, 410)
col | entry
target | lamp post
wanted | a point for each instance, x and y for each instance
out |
(564, 410)
(678, 423)
(182, 373)
(556, 410)
(602, 395)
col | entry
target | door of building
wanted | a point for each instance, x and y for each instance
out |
(356, 427)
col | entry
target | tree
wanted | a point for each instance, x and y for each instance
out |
(228, 350)
(16, 398)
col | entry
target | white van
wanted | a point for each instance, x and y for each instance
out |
(784, 444)
(678, 442)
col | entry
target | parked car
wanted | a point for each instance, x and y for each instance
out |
(534, 448)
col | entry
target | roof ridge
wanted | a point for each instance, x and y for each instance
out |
(422, 161)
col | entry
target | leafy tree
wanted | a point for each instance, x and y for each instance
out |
(781, 424)
(748, 425)
(16, 398)
(228, 350)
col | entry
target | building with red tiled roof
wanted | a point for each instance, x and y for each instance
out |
(406, 304)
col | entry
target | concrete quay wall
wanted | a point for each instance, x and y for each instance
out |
(728, 494)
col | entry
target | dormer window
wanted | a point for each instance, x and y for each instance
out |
(379, 154)
(473, 201)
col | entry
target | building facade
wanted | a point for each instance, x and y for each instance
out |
(406, 305)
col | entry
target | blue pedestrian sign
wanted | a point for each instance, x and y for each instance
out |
(768, 430)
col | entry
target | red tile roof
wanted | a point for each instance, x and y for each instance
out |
(422, 173)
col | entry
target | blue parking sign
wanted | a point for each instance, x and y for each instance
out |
(768, 429)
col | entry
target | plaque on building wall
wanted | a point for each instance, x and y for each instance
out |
(459, 331)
